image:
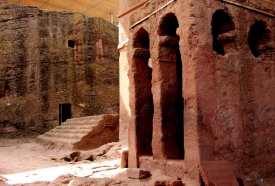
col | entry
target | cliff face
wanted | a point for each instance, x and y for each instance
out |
(50, 58)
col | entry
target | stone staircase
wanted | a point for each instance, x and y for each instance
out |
(85, 133)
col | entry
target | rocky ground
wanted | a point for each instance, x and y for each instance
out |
(26, 163)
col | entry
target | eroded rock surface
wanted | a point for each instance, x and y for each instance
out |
(50, 58)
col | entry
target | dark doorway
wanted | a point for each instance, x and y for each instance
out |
(64, 112)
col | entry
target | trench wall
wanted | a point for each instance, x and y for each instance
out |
(50, 58)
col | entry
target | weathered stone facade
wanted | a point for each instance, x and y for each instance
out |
(50, 58)
(197, 83)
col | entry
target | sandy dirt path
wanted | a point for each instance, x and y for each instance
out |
(29, 164)
(26, 157)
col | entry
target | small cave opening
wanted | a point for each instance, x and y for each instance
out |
(221, 23)
(258, 35)
(71, 43)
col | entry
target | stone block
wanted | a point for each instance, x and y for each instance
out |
(217, 173)
(138, 174)
(168, 40)
(141, 52)
(124, 159)
(169, 183)
(63, 180)
(228, 36)
(75, 154)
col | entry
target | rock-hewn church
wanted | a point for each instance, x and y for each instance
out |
(197, 84)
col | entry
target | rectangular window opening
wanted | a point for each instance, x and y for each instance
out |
(71, 43)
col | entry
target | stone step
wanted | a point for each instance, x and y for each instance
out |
(74, 127)
(64, 135)
(49, 143)
(64, 131)
(97, 117)
(79, 122)
(82, 133)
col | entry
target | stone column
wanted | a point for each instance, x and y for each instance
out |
(164, 89)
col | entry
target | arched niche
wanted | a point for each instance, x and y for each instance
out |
(143, 98)
(168, 25)
(169, 93)
(260, 39)
(222, 31)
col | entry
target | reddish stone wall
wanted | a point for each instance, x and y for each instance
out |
(39, 70)
(227, 85)
(235, 90)
(163, 88)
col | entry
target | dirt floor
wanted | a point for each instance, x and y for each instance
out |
(24, 162)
